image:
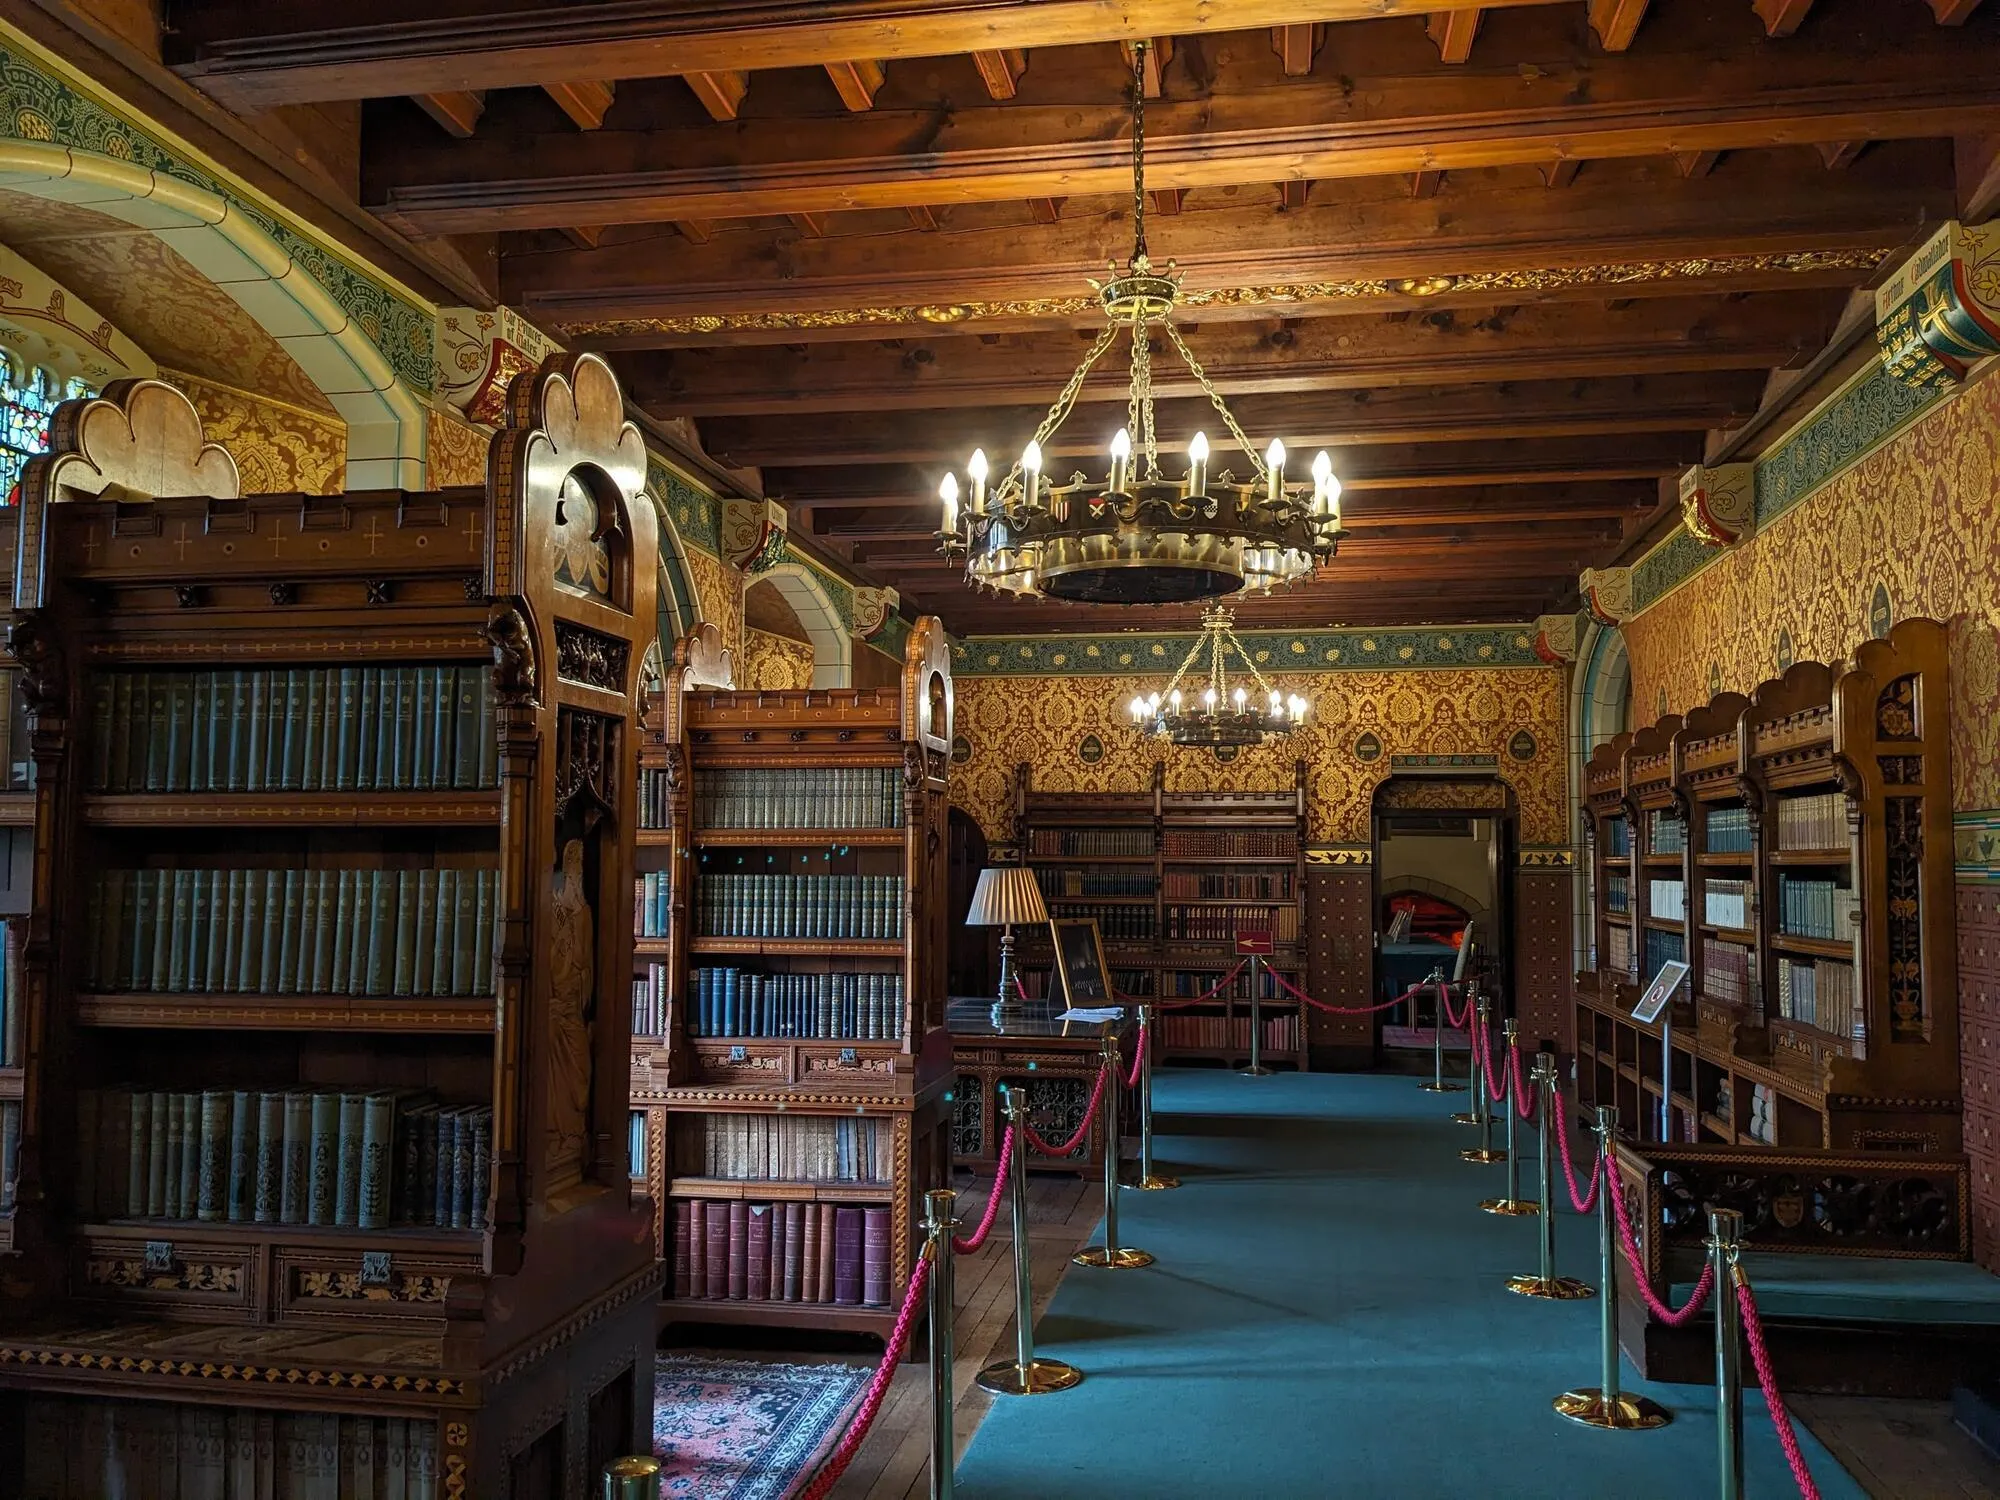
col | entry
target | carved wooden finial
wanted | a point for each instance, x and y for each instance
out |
(141, 439)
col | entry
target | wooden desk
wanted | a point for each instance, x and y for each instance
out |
(1056, 1063)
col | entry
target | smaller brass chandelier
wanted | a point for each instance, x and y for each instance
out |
(1218, 714)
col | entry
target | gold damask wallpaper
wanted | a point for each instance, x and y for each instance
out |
(773, 663)
(278, 449)
(455, 451)
(1916, 520)
(718, 590)
(1052, 722)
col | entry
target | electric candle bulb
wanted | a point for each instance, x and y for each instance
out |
(1175, 699)
(1121, 462)
(948, 493)
(1031, 469)
(976, 467)
(1138, 709)
(1208, 698)
(1333, 500)
(1322, 477)
(1274, 698)
(1154, 703)
(1274, 460)
(1198, 466)
(1240, 697)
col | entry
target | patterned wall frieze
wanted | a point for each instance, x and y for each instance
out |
(42, 102)
(1545, 857)
(1340, 854)
(696, 514)
(1442, 765)
(1975, 840)
(1273, 651)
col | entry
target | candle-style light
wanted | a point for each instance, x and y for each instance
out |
(1241, 698)
(1121, 462)
(976, 467)
(1274, 461)
(1198, 466)
(1031, 474)
(948, 493)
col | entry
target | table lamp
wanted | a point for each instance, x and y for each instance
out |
(1006, 896)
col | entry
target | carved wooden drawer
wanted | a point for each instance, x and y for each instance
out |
(191, 1278)
(332, 1286)
(743, 1064)
(831, 1065)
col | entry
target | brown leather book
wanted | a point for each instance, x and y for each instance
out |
(847, 1225)
(809, 1253)
(718, 1249)
(682, 1212)
(794, 1234)
(875, 1257)
(757, 1255)
(825, 1251)
(738, 1280)
(697, 1249)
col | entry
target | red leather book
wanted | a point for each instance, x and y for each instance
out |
(757, 1256)
(681, 1215)
(718, 1249)
(777, 1264)
(809, 1254)
(825, 1251)
(847, 1227)
(794, 1253)
(697, 1249)
(875, 1257)
(738, 1281)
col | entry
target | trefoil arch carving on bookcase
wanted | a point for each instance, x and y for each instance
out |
(700, 660)
(927, 690)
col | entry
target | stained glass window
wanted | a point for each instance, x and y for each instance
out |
(28, 398)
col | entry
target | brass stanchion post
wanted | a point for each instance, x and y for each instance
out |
(1481, 1095)
(1547, 1284)
(1725, 1230)
(1024, 1375)
(1256, 1068)
(1111, 1256)
(1437, 1085)
(1149, 1180)
(940, 1222)
(633, 1478)
(1605, 1405)
(1512, 1202)
(1473, 1070)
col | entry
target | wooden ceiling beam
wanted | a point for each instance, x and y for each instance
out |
(856, 83)
(1167, 200)
(695, 231)
(1454, 31)
(1159, 53)
(1561, 172)
(1781, 17)
(1840, 154)
(286, 53)
(1000, 69)
(584, 236)
(585, 103)
(721, 93)
(921, 218)
(1696, 163)
(1616, 21)
(1292, 194)
(457, 114)
(1953, 12)
(1425, 184)
(1045, 210)
(1292, 155)
(1295, 46)
(1365, 352)
(809, 224)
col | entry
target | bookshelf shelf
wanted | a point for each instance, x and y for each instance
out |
(1846, 1043)
(409, 1013)
(17, 809)
(779, 1190)
(252, 809)
(433, 723)
(799, 838)
(779, 947)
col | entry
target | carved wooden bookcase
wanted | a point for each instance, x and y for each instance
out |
(1161, 940)
(17, 825)
(804, 1069)
(523, 1340)
(1830, 784)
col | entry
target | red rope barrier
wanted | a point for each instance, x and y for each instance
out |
(1486, 1068)
(1781, 1419)
(1340, 1010)
(1525, 1100)
(878, 1387)
(977, 1238)
(1458, 1020)
(1138, 1058)
(1661, 1310)
(1582, 1204)
(1083, 1130)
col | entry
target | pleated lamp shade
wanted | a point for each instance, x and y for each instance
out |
(1006, 896)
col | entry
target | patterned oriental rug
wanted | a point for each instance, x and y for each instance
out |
(738, 1429)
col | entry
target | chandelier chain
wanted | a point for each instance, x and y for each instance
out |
(1215, 399)
(1059, 411)
(1139, 152)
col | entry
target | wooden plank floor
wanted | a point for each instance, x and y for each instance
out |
(1900, 1450)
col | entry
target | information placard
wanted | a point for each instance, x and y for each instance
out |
(1659, 992)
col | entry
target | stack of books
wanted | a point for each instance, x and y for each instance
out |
(1618, 893)
(1661, 948)
(1666, 899)
(791, 1147)
(1816, 822)
(1815, 908)
(1728, 830)
(17, 759)
(300, 1156)
(1220, 924)
(1728, 972)
(799, 797)
(1219, 1033)
(652, 912)
(1058, 884)
(832, 1007)
(1239, 843)
(1726, 903)
(649, 1002)
(1666, 834)
(740, 1251)
(1091, 843)
(800, 906)
(293, 729)
(1127, 923)
(656, 806)
(292, 932)
(1617, 838)
(1234, 886)
(1763, 1104)
(1820, 992)
(1618, 949)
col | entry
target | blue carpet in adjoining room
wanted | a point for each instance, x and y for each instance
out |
(1327, 1318)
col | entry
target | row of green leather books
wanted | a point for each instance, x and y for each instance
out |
(293, 931)
(364, 1160)
(800, 906)
(293, 729)
(800, 797)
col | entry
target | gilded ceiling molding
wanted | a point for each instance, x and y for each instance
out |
(1277, 294)
(1719, 504)
(1345, 650)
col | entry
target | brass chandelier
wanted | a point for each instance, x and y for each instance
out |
(1218, 714)
(1139, 537)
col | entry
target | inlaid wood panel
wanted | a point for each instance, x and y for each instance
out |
(1541, 955)
(1340, 961)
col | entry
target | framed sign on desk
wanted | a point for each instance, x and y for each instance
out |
(1085, 977)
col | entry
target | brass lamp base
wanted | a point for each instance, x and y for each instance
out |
(1619, 1411)
(1442, 1088)
(1482, 1154)
(1553, 1288)
(1260, 1071)
(1038, 1379)
(1112, 1258)
(1514, 1207)
(1157, 1182)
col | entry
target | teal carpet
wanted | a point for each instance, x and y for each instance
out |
(1327, 1319)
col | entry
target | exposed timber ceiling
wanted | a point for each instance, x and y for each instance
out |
(1516, 263)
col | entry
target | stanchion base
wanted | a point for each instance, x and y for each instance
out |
(1038, 1379)
(1156, 1182)
(1442, 1088)
(1514, 1207)
(1260, 1071)
(1551, 1288)
(1112, 1257)
(1465, 1117)
(1481, 1154)
(1618, 1411)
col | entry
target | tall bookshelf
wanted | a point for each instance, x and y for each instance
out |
(1171, 878)
(324, 1072)
(17, 832)
(1805, 832)
(795, 1106)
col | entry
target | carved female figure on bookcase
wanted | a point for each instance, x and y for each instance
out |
(572, 982)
